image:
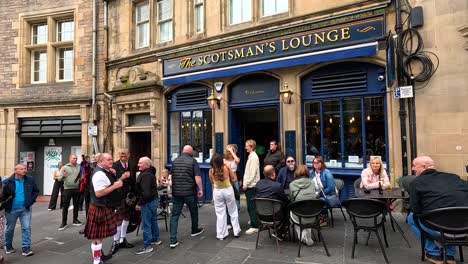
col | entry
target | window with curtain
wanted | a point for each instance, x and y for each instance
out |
(199, 16)
(240, 11)
(165, 20)
(142, 33)
(271, 7)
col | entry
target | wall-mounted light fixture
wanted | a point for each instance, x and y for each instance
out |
(51, 142)
(213, 102)
(219, 86)
(286, 94)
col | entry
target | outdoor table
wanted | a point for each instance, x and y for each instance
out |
(389, 196)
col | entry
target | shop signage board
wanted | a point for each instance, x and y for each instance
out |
(52, 156)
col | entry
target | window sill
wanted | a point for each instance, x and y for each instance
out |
(64, 84)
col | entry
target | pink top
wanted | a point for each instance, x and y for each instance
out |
(370, 181)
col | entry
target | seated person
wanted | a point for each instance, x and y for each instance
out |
(286, 174)
(302, 188)
(375, 175)
(432, 190)
(269, 188)
(323, 179)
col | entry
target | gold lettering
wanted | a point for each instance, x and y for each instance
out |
(252, 91)
(295, 43)
(249, 52)
(345, 33)
(239, 54)
(200, 60)
(215, 57)
(223, 55)
(272, 47)
(318, 37)
(283, 46)
(230, 54)
(332, 35)
(206, 59)
(187, 63)
(307, 42)
(259, 49)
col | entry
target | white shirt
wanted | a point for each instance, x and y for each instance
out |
(100, 181)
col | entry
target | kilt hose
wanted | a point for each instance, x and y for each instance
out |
(100, 222)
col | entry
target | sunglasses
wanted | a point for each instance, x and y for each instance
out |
(289, 161)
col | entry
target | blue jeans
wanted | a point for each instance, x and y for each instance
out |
(429, 245)
(177, 205)
(25, 221)
(149, 219)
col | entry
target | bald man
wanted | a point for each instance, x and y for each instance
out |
(186, 177)
(432, 190)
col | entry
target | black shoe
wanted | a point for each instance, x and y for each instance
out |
(197, 232)
(77, 222)
(125, 244)
(105, 257)
(9, 249)
(114, 248)
(62, 227)
(27, 252)
(434, 259)
(451, 260)
(174, 244)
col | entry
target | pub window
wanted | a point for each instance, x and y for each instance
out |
(240, 11)
(272, 7)
(346, 131)
(191, 128)
(142, 25)
(165, 20)
(199, 16)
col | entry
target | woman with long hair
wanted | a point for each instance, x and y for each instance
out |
(375, 175)
(223, 196)
(325, 184)
(58, 187)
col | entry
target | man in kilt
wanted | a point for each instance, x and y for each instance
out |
(101, 222)
(124, 210)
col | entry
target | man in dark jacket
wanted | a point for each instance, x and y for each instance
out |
(269, 188)
(274, 157)
(147, 197)
(432, 190)
(23, 190)
(186, 177)
(286, 174)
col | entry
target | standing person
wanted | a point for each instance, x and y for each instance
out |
(325, 187)
(58, 187)
(431, 190)
(232, 160)
(147, 197)
(274, 157)
(70, 174)
(101, 222)
(185, 179)
(85, 185)
(223, 196)
(123, 212)
(24, 191)
(286, 174)
(86, 171)
(251, 177)
(375, 175)
(4, 198)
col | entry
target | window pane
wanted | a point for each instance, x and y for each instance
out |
(352, 132)
(375, 128)
(65, 31)
(174, 135)
(246, 10)
(197, 135)
(164, 10)
(199, 17)
(269, 7)
(208, 129)
(40, 66)
(143, 35)
(142, 12)
(185, 125)
(165, 31)
(312, 133)
(331, 133)
(240, 11)
(65, 62)
(281, 6)
(39, 34)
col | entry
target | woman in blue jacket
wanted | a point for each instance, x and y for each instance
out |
(325, 186)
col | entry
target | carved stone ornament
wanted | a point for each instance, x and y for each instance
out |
(464, 32)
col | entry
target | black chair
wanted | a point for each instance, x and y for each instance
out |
(164, 201)
(308, 209)
(357, 185)
(450, 222)
(270, 215)
(360, 209)
(339, 184)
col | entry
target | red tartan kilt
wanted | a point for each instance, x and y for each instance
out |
(100, 222)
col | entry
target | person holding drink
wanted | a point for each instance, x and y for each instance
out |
(375, 176)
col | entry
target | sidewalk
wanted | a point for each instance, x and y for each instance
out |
(53, 247)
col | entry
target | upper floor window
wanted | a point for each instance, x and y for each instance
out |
(165, 20)
(39, 33)
(271, 7)
(65, 64)
(65, 30)
(39, 66)
(240, 11)
(199, 16)
(142, 35)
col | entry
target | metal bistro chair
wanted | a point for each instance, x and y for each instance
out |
(339, 184)
(269, 216)
(308, 210)
(450, 222)
(164, 205)
(367, 209)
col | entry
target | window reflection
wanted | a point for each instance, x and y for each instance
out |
(185, 126)
(312, 133)
(375, 128)
(352, 133)
(174, 135)
(197, 134)
(208, 129)
(331, 133)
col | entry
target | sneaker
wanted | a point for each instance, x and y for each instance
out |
(70, 207)
(451, 260)
(434, 259)
(50, 209)
(62, 227)
(229, 227)
(157, 242)
(27, 252)
(77, 222)
(197, 232)
(174, 244)
(9, 249)
(144, 250)
(251, 231)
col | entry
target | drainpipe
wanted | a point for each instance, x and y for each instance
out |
(401, 82)
(93, 92)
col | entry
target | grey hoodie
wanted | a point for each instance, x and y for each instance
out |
(302, 189)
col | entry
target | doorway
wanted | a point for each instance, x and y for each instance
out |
(260, 124)
(139, 145)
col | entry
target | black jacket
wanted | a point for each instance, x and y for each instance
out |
(433, 189)
(184, 170)
(30, 191)
(146, 188)
(267, 188)
(275, 159)
(129, 183)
